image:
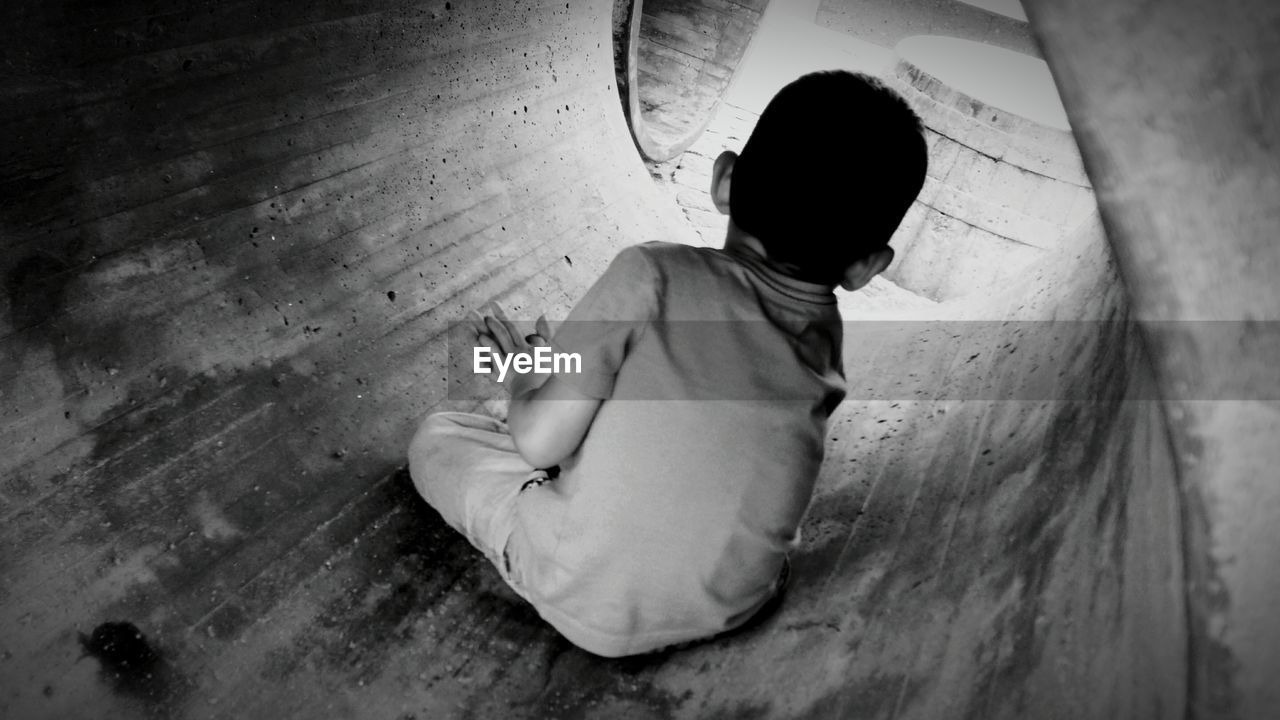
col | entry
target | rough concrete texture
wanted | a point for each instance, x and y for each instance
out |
(234, 234)
(1175, 107)
(1000, 190)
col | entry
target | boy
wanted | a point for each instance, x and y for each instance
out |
(679, 461)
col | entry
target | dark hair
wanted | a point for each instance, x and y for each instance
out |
(832, 166)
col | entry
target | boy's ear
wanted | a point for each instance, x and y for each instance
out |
(861, 272)
(721, 175)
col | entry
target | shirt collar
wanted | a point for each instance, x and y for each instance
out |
(791, 287)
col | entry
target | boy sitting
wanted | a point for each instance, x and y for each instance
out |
(677, 464)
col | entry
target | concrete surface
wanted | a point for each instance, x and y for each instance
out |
(1004, 184)
(1175, 109)
(234, 236)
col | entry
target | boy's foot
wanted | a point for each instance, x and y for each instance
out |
(771, 605)
(538, 477)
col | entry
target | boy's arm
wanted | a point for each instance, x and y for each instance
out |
(547, 417)
(548, 421)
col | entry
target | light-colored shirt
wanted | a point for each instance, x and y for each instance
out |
(672, 519)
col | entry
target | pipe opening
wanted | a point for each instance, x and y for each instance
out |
(674, 60)
(1006, 183)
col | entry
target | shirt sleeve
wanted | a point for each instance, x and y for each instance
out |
(607, 321)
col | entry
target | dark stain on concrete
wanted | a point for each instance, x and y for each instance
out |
(1116, 369)
(1112, 511)
(121, 648)
(35, 286)
(87, 351)
(1078, 445)
(133, 666)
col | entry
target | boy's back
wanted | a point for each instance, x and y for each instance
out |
(672, 520)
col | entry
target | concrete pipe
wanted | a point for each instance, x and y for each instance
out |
(236, 234)
(679, 58)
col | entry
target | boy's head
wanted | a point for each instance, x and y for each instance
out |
(832, 166)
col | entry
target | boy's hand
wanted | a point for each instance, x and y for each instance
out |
(548, 418)
(503, 337)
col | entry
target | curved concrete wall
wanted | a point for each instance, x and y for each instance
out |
(1001, 188)
(242, 233)
(1175, 109)
(999, 517)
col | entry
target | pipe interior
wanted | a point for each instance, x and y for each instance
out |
(235, 241)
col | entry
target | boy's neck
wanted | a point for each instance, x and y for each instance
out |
(738, 240)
